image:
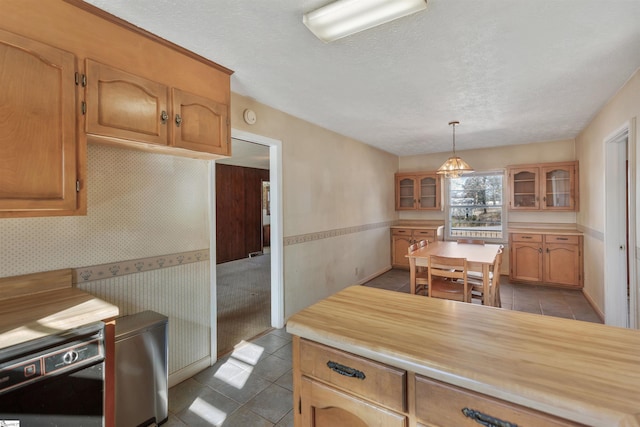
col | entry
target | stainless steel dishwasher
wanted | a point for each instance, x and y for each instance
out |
(141, 370)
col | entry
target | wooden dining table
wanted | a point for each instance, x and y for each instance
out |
(480, 258)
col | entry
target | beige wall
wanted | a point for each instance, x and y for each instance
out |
(140, 205)
(623, 107)
(338, 204)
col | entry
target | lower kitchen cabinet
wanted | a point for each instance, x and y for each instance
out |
(340, 389)
(550, 259)
(403, 237)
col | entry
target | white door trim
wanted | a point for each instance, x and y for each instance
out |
(618, 308)
(277, 258)
(277, 270)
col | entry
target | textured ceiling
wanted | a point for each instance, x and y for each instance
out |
(511, 71)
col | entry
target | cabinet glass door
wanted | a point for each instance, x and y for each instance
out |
(525, 189)
(557, 188)
(428, 193)
(406, 192)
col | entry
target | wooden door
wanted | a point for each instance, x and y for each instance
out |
(429, 192)
(406, 188)
(238, 211)
(562, 264)
(200, 124)
(524, 188)
(125, 106)
(558, 187)
(324, 406)
(526, 261)
(38, 141)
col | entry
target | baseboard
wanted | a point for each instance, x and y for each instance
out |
(373, 276)
(189, 371)
(593, 305)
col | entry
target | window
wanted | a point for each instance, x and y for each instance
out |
(474, 206)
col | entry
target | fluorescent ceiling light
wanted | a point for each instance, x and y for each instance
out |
(345, 17)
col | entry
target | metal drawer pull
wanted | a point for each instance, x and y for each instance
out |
(486, 420)
(345, 370)
(562, 238)
(527, 237)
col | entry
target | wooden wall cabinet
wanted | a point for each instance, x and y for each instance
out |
(402, 238)
(138, 111)
(41, 157)
(550, 259)
(544, 187)
(418, 191)
(52, 104)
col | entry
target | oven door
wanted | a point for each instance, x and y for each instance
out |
(57, 380)
(71, 399)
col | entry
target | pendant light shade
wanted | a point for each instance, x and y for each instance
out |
(454, 166)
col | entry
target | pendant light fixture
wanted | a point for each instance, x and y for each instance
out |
(454, 166)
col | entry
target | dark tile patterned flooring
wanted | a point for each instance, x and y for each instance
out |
(252, 386)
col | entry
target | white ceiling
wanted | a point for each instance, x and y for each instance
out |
(511, 71)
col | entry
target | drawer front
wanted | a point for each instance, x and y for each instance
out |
(401, 231)
(375, 381)
(554, 238)
(526, 237)
(424, 234)
(440, 404)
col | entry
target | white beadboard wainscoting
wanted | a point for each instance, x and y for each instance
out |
(180, 292)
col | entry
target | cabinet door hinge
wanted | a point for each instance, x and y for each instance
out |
(77, 185)
(83, 108)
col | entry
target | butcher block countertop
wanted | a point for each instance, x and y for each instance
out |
(41, 304)
(419, 225)
(584, 372)
(559, 229)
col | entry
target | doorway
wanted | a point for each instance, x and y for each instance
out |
(620, 293)
(274, 258)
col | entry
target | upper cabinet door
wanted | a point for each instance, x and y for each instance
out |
(38, 142)
(558, 187)
(405, 193)
(125, 106)
(429, 192)
(200, 124)
(524, 188)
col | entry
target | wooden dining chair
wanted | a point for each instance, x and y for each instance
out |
(494, 284)
(448, 278)
(477, 286)
(422, 279)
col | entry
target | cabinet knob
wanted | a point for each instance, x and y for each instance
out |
(540, 250)
(178, 120)
(164, 117)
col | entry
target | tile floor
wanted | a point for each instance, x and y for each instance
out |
(251, 387)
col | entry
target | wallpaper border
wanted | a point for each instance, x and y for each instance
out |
(122, 268)
(309, 237)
